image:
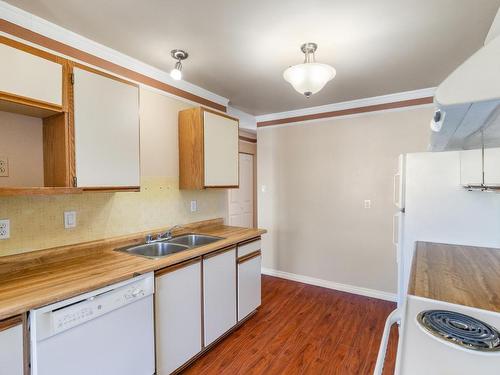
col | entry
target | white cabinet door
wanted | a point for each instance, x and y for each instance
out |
(249, 288)
(219, 294)
(492, 166)
(471, 167)
(30, 76)
(220, 150)
(11, 351)
(178, 317)
(106, 131)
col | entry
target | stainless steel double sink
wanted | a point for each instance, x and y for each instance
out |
(160, 249)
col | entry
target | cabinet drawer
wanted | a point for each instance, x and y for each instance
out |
(248, 248)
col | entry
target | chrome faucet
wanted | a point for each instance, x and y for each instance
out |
(162, 236)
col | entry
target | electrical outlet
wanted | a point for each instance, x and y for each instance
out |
(4, 166)
(69, 219)
(368, 203)
(194, 206)
(4, 229)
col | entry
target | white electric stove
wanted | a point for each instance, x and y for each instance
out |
(440, 338)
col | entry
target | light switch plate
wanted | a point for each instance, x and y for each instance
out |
(4, 166)
(368, 203)
(69, 219)
(4, 229)
(194, 206)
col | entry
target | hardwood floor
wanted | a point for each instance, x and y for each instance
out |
(304, 329)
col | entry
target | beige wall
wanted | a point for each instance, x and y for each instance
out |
(316, 177)
(37, 222)
(21, 142)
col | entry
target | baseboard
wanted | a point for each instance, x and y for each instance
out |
(331, 285)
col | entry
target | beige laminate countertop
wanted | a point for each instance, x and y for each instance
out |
(463, 275)
(39, 278)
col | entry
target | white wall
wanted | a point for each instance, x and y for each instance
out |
(316, 176)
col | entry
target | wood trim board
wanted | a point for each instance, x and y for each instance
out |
(177, 266)
(246, 139)
(41, 40)
(11, 322)
(349, 111)
(218, 252)
(11, 191)
(247, 257)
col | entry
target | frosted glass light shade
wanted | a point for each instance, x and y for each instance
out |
(176, 74)
(309, 78)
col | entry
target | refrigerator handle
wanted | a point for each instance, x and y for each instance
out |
(395, 229)
(397, 193)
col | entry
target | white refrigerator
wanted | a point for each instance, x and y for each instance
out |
(434, 207)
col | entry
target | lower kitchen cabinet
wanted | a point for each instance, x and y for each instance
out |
(178, 315)
(11, 347)
(219, 293)
(249, 280)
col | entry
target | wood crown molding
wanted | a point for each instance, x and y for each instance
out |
(348, 111)
(64, 49)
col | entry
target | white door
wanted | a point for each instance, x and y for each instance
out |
(178, 317)
(249, 289)
(219, 294)
(241, 199)
(11, 350)
(106, 131)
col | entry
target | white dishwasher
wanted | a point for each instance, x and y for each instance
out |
(109, 331)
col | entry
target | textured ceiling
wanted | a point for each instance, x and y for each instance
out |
(239, 49)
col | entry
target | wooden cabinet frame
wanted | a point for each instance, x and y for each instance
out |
(191, 149)
(58, 129)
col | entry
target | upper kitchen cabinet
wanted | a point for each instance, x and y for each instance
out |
(208, 149)
(31, 80)
(492, 167)
(477, 169)
(106, 126)
(471, 168)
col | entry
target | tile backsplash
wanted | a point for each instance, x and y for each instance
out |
(37, 222)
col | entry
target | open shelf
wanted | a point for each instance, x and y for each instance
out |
(26, 106)
(12, 191)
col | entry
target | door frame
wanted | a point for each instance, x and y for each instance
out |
(248, 145)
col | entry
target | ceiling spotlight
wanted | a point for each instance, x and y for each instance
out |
(310, 77)
(179, 55)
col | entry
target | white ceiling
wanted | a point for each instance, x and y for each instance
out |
(239, 49)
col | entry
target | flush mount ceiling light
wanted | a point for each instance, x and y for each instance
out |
(310, 77)
(179, 55)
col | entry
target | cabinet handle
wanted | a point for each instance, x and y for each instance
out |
(218, 252)
(10, 322)
(175, 267)
(249, 241)
(247, 257)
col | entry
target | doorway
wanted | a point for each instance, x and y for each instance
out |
(241, 200)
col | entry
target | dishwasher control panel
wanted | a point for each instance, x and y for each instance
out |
(92, 305)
